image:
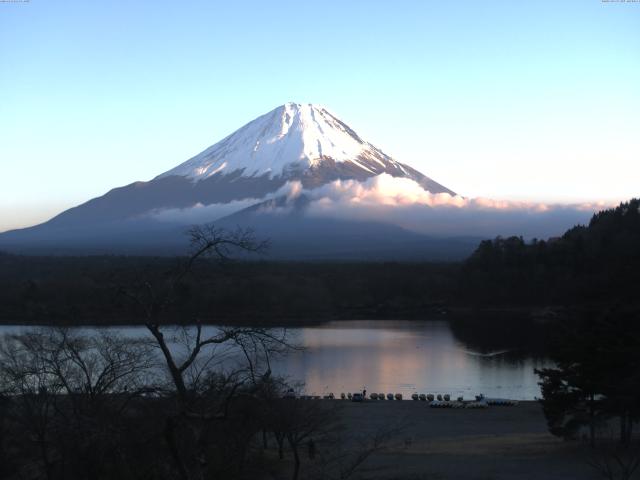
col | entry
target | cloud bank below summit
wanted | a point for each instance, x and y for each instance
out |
(200, 213)
(403, 202)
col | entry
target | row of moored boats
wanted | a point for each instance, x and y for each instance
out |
(434, 401)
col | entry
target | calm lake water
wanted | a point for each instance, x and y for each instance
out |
(396, 357)
(405, 357)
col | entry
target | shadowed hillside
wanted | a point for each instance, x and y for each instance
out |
(596, 263)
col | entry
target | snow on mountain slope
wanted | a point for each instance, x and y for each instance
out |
(290, 135)
(296, 141)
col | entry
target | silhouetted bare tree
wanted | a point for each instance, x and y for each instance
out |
(68, 395)
(208, 366)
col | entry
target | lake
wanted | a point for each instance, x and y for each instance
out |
(396, 357)
(404, 357)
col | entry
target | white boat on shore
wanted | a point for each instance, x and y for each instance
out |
(501, 402)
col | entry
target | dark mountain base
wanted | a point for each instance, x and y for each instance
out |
(291, 237)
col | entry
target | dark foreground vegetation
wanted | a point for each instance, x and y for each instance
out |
(108, 407)
(591, 275)
(184, 402)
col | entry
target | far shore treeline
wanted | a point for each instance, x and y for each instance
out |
(589, 266)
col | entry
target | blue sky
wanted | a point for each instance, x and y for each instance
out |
(522, 100)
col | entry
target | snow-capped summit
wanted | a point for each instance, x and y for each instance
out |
(296, 141)
(291, 136)
(301, 147)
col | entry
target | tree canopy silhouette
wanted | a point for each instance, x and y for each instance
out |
(597, 262)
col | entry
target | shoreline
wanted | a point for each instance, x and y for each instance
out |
(429, 314)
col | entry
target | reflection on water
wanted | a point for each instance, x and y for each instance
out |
(406, 357)
(393, 357)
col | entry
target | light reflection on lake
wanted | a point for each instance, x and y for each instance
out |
(403, 356)
(392, 357)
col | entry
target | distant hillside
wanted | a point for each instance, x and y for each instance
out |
(587, 264)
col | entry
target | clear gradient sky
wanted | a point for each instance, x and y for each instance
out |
(506, 99)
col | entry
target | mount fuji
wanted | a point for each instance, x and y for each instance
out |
(273, 162)
(294, 141)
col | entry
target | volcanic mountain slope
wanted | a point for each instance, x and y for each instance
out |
(303, 144)
(292, 142)
(294, 234)
(297, 142)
